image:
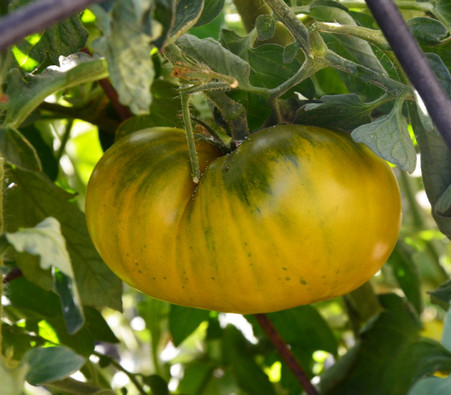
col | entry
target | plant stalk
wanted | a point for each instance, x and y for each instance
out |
(286, 354)
(195, 172)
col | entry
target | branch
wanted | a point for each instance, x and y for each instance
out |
(414, 63)
(286, 354)
(35, 17)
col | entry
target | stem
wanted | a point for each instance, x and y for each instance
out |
(195, 172)
(389, 85)
(286, 353)
(64, 140)
(293, 24)
(130, 375)
(371, 35)
(414, 63)
(37, 16)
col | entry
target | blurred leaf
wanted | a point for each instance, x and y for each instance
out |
(266, 27)
(249, 375)
(196, 377)
(164, 13)
(443, 8)
(345, 112)
(96, 325)
(31, 198)
(407, 275)
(25, 93)
(390, 357)
(427, 30)
(12, 379)
(212, 8)
(50, 364)
(446, 334)
(127, 51)
(215, 56)
(431, 385)
(388, 137)
(184, 320)
(15, 340)
(17, 150)
(443, 292)
(157, 384)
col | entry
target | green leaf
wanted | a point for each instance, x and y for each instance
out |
(239, 356)
(388, 137)
(443, 9)
(435, 168)
(266, 27)
(432, 385)
(25, 93)
(164, 14)
(50, 364)
(390, 356)
(17, 150)
(212, 8)
(443, 292)
(46, 241)
(183, 321)
(211, 53)
(187, 14)
(62, 39)
(427, 30)
(440, 70)
(127, 51)
(31, 198)
(197, 374)
(407, 275)
(446, 334)
(157, 384)
(344, 112)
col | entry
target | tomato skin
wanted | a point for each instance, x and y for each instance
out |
(297, 214)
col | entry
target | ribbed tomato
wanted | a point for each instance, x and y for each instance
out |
(295, 215)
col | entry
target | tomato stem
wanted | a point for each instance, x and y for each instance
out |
(286, 353)
(195, 172)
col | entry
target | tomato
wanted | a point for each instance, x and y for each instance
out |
(295, 215)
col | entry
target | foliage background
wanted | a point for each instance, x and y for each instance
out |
(70, 326)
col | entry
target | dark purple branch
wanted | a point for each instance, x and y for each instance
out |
(414, 63)
(36, 17)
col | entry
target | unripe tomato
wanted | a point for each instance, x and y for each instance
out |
(295, 215)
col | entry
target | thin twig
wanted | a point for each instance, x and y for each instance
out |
(414, 63)
(35, 17)
(286, 353)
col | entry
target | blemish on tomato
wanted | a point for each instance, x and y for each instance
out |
(302, 281)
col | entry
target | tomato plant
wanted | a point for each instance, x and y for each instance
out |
(287, 160)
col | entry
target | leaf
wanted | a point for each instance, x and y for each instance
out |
(443, 292)
(431, 385)
(184, 320)
(157, 384)
(17, 150)
(407, 275)
(212, 8)
(211, 53)
(435, 168)
(248, 374)
(164, 13)
(427, 30)
(32, 197)
(345, 112)
(266, 27)
(390, 356)
(443, 9)
(187, 14)
(62, 39)
(389, 138)
(50, 364)
(46, 240)
(127, 51)
(25, 93)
